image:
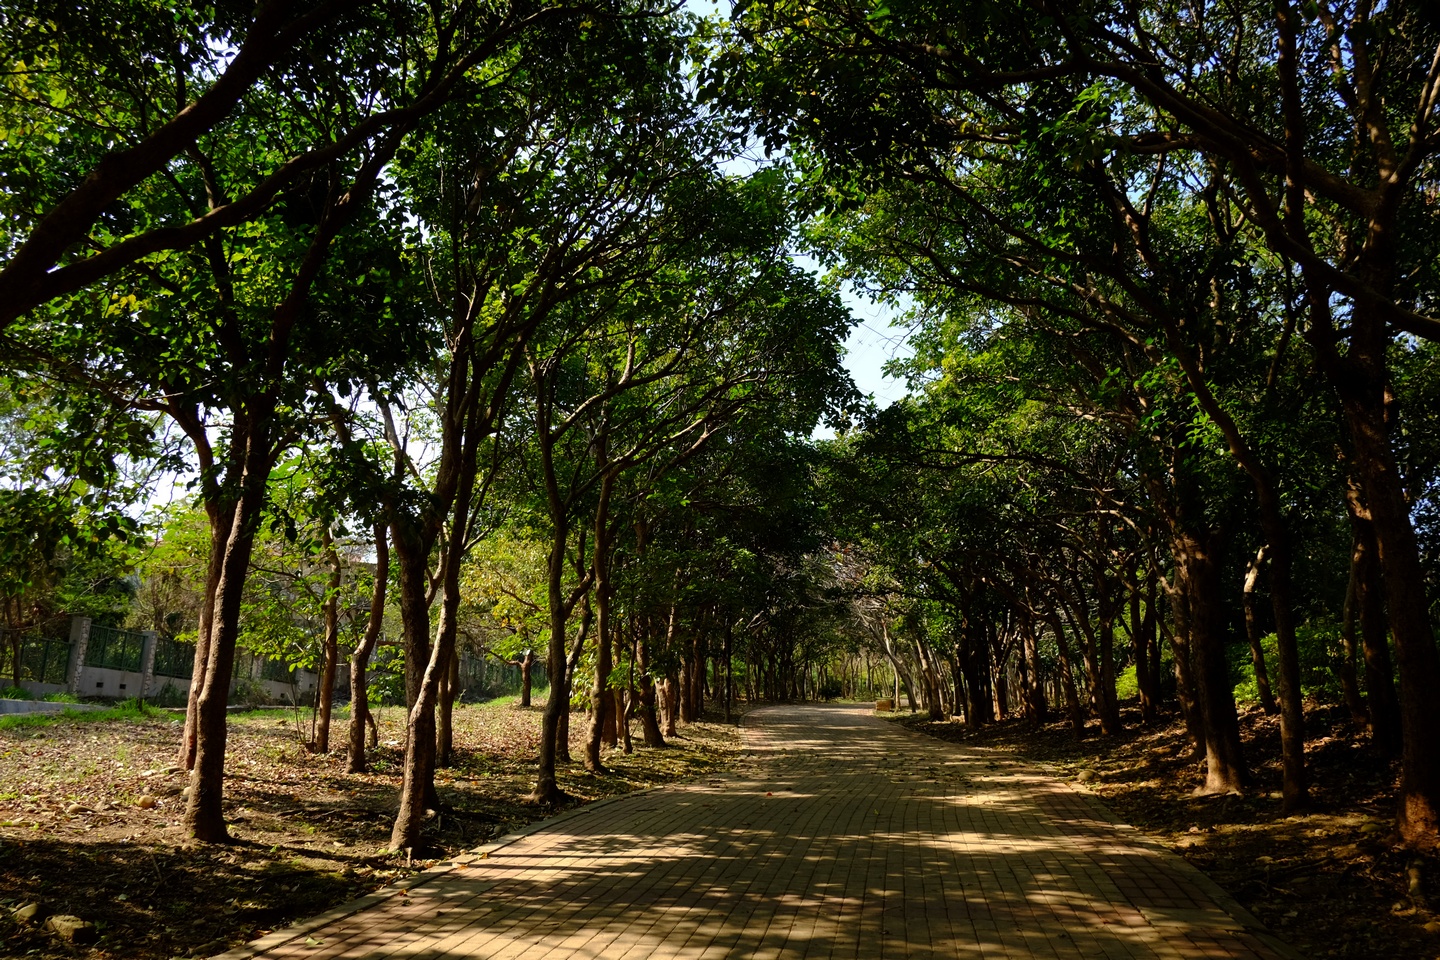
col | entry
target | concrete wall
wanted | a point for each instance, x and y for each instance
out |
(84, 680)
(43, 706)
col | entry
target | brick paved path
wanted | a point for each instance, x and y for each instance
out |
(840, 837)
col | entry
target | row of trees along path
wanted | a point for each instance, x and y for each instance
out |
(481, 281)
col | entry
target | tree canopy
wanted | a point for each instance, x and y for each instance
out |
(508, 291)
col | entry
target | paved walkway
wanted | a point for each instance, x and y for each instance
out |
(841, 836)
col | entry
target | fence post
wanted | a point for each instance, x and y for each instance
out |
(147, 661)
(79, 640)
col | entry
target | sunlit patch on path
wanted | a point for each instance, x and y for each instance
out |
(840, 837)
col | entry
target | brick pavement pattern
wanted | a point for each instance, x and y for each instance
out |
(839, 836)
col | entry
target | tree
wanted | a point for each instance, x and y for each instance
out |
(1333, 184)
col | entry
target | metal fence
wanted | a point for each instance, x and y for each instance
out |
(174, 659)
(277, 670)
(44, 657)
(114, 649)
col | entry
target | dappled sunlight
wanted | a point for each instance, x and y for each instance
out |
(846, 838)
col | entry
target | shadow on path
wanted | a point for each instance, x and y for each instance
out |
(840, 836)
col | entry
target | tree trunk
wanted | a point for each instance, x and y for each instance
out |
(572, 663)
(1349, 676)
(673, 699)
(649, 722)
(603, 717)
(1361, 381)
(189, 736)
(445, 712)
(1036, 709)
(417, 786)
(547, 790)
(614, 708)
(412, 549)
(1067, 677)
(527, 664)
(331, 646)
(685, 689)
(1382, 701)
(934, 706)
(420, 752)
(1252, 633)
(1147, 653)
(360, 660)
(729, 668)
(1198, 565)
(204, 815)
(1182, 662)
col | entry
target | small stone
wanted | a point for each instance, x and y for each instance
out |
(1193, 829)
(168, 771)
(1085, 776)
(1372, 828)
(185, 793)
(74, 808)
(73, 929)
(26, 912)
(146, 802)
(1432, 927)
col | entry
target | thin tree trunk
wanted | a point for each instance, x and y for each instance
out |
(190, 734)
(1147, 653)
(547, 790)
(1067, 677)
(1182, 662)
(360, 660)
(1036, 708)
(649, 722)
(1252, 633)
(1349, 678)
(1381, 698)
(445, 712)
(330, 645)
(600, 688)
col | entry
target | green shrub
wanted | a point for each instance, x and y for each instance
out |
(250, 693)
(61, 698)
(1321, 654)
(1127, 685)
(16, 693)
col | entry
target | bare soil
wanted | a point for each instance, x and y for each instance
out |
(1333, 880)
(90, 822)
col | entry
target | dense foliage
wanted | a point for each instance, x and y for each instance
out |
(500, 291)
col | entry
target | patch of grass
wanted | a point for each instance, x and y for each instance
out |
(124, 710)
(16, 693)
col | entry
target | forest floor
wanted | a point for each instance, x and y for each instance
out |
(1332, 881)
(79, 837)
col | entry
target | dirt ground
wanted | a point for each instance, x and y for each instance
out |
(90, 822)
(1332, 881)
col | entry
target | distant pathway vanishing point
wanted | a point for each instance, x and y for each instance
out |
(840, 836)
